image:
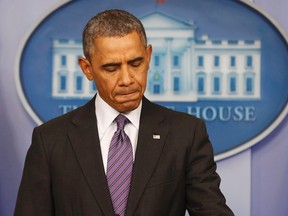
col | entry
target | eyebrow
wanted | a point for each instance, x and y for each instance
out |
(135, 60)
(112, 64)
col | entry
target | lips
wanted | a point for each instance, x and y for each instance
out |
(127, 93)
(130, 95)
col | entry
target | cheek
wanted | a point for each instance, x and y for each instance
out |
(103, 85)
(142, 79)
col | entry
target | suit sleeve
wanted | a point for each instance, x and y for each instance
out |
(34, 196)
(203, 196)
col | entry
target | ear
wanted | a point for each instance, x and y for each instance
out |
(149, 52)
(86, 67)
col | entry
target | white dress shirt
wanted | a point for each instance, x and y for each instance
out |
(105, 116)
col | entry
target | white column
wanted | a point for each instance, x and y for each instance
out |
(168, 70)
(193, 64)
(189, 81)
(185, 71)
(70, 70)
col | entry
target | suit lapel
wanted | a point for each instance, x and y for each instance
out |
(152, 134)
(84, 138)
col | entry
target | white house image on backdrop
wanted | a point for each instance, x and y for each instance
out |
(182, 68)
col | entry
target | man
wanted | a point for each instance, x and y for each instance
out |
(68, 168)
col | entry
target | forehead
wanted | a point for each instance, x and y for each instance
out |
(133, 36)
(112, 46)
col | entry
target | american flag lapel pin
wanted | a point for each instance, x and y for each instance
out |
(156, 136)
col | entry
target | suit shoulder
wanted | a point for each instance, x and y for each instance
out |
(61, 121)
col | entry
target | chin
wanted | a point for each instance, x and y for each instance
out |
(129, 106)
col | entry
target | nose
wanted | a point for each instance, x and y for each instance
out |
(126, 77)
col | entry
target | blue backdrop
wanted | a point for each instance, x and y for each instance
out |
(267, 160)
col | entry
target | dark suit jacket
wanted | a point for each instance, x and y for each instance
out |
(64, 174)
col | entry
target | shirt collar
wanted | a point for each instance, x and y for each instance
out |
(105, 115)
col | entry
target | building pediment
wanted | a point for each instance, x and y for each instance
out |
(161, 25)
(159, 20)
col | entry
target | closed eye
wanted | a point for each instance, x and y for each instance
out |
(136, 62)
(111, 67)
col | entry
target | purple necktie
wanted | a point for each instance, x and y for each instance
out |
(119, 166)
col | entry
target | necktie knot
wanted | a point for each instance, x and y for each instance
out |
(121, 121)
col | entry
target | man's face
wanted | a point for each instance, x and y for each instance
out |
(119, 68)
